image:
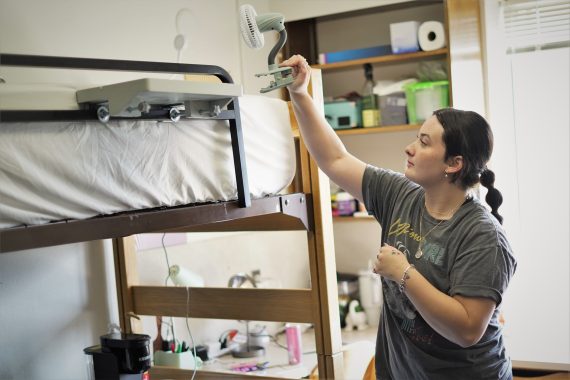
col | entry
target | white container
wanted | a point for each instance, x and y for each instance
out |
(184, 277)
(370, 295)
(404, 37)
(179, 360)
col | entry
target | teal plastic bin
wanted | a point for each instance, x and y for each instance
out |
(425, 97)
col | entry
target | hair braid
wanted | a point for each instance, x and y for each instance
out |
(493, 197)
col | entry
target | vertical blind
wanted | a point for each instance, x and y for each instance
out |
(536, 24)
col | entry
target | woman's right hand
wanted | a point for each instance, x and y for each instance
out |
(301, 73)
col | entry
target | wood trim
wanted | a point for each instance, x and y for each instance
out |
(126, 276)
(379, 129)
(220, 215)
(278, 305)
(160, 373)
(541, 366)
(465, 55)
(322, 260)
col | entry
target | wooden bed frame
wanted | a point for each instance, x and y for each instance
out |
(305, 207)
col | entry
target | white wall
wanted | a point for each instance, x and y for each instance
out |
(281, 256)
(53, 303)
(125, 29)
(56, 301)
(301, 9)
(528, 97)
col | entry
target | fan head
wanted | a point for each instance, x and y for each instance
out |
(249, 29)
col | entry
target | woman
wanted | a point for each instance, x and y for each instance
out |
(445, 261)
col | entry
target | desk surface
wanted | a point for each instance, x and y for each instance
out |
(277, 357)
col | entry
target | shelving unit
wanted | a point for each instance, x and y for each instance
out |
(378, 129)
(393, 58)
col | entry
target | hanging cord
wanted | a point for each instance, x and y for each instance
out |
(187, 310)
(166, 281)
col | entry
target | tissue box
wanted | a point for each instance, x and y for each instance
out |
(404, 37)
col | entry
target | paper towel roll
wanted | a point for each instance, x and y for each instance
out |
(431, 35)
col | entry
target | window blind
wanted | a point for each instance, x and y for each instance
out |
(536, 24)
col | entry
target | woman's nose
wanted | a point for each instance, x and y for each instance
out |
(409, 150)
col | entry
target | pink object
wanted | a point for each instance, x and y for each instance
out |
(294, 346)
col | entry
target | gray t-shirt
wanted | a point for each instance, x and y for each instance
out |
(466, 255)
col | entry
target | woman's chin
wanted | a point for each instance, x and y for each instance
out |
(409, 175)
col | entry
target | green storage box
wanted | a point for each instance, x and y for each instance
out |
(425, 97)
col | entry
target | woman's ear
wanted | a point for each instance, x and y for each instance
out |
(455, 164)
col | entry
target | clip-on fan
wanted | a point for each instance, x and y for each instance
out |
(252, 26)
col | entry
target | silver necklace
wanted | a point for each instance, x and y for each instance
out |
(420, 252)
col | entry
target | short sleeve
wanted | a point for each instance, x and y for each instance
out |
(484, 265)
(381, 189)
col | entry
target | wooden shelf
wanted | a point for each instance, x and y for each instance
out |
(370, 130)
(379, 129)
(353, 218)
(393, 58)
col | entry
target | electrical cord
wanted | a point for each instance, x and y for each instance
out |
(187, 311)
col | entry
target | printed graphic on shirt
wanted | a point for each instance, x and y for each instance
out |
(399, 228)
(407, 240)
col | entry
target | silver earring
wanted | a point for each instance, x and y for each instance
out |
(445, 174)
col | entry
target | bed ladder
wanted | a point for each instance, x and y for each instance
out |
(317, 305)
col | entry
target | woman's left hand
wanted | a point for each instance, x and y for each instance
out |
(390, 263)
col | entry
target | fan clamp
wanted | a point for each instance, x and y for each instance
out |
(283, 76)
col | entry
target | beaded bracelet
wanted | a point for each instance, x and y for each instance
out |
(405, 276)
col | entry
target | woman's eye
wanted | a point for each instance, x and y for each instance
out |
(422, 142)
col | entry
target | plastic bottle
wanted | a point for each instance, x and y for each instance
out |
(294, 343)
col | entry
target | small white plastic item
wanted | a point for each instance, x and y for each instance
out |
(184, 277)
(345, 203)
(179, 360)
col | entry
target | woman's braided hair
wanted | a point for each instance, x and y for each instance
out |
(467, 134)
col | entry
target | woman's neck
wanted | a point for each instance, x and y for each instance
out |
(443, 203)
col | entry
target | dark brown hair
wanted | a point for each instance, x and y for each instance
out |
(467, 134)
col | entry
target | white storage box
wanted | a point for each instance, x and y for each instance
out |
(404, 37)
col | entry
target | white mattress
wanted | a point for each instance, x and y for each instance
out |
(76, 170)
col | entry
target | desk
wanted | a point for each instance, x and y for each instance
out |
(278, 358)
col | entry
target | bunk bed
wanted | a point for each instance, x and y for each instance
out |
(304, 206)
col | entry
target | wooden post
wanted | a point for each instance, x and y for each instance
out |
(126, 276)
